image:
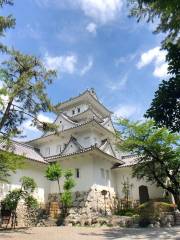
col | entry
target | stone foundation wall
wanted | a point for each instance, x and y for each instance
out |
(87, 205)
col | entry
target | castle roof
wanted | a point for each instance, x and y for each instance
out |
(90, 97)
(91, 149)
(87, 114)
(91, 122)
(25, 150)
(128, 161)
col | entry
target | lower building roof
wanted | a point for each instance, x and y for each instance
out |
(25, 150)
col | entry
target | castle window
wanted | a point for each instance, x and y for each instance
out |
(107, 174)
(73, 112)
(102, 173)
(79, 110)
(58, 149)
(47, 151)
(77, 173)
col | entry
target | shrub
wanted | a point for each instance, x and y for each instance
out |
(31, 202)
(127, 212)
(151, 211)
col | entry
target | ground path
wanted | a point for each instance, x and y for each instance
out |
(88, 233)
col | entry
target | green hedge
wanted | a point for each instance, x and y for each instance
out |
(151, 211)
(127, 212)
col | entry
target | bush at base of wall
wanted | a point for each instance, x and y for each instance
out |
(151, 212)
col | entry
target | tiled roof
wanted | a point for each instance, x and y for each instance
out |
(24, 150)
(79, 125)
(94, 147)
(81, 94)
(89, 109)
(129, 160)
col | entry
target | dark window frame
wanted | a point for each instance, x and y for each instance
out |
(77, 173)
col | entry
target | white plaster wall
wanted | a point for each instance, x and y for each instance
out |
(90, 173)
(124, 173)
(99, 164)
(63, 123)
(37, 172)
(71, 148)
(109, 126)
(86, 139)
(83, 107)
(85, 166)
(53, 146)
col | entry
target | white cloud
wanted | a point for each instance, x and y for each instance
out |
(157, 57)
(87, 67)
(91, 27)
(28, 126)
(117, 85)
(124, 59)
(43, 118)
(65, 63)
(125, 111)
(101, 11)
(161, 70)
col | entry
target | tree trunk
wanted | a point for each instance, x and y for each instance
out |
(5, 115)
(59, 187)
(177, 200)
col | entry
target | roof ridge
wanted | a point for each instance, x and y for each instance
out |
(72, 98)
(86, 91)
(23, 144)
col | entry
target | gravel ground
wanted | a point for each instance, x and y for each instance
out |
(87, 233)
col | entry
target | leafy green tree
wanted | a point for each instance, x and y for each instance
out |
(28, 184)
(9, 163)
(54, 173)
(66, 197)
(24, 83)
(11, 200)
(23, 95)
(166, 11)
(165, 107)
(6, 22)
(158, 154)
(24, 80)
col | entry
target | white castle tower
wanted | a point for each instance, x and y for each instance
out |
(85, 143)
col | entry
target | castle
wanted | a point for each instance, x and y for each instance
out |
(86, 143)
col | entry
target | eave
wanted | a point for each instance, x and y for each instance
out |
(85, 115)
(90, 123)
(92, 149)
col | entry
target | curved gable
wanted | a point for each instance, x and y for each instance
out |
(107, 123)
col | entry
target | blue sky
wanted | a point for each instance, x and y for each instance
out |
(91, 43)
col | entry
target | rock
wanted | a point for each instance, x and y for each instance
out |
(157, 224)
(168, 224)
(88, 205)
